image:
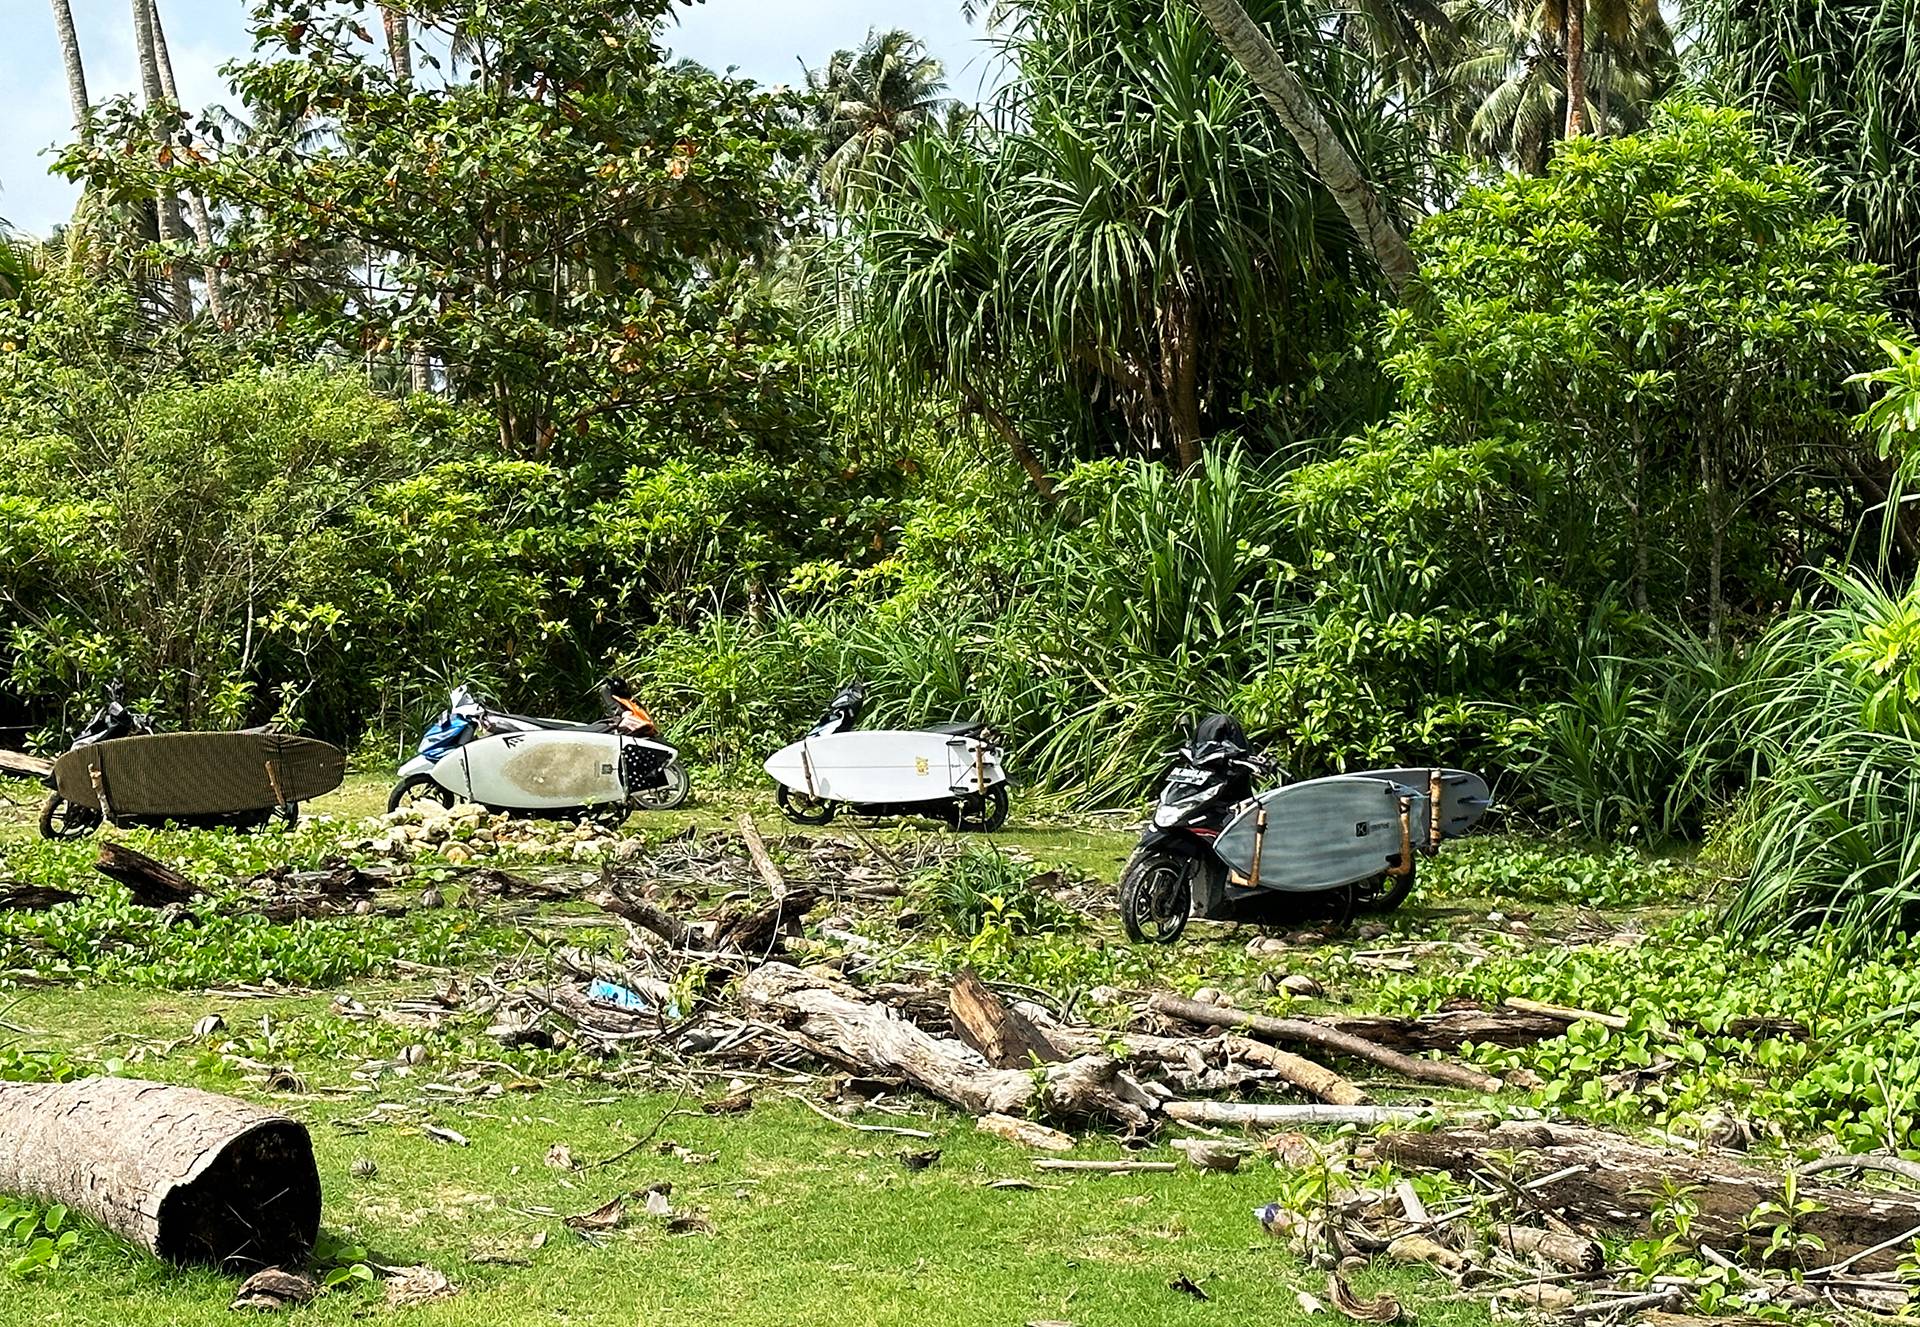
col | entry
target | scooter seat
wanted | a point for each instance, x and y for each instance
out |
(551, 725)
(966, 728)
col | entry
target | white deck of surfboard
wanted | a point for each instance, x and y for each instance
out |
(537, 771)
(886, 766)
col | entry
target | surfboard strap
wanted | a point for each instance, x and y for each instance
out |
(1406, 837)
(1259, 845)
(1433, 807)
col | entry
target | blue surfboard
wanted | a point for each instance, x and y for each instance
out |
(1322, 834)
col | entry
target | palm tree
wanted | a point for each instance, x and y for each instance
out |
(399, 42)
(1507, 89)
(70, 57)
(1293, 105)
(196, 205)
(154, 94)
(867, 103)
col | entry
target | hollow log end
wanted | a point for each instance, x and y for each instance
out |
(257, 1204)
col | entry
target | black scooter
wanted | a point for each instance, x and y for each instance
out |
(61, 819)
(1174, 872)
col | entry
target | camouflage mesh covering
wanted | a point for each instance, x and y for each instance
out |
(196, 774)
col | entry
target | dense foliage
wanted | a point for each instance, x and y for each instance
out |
(510, 348)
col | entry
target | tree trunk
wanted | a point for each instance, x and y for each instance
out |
(1576, 68)
(1609, 1180)
(399, 43)
(1449, 1029)
(1326, 155)
(1262, 1116)
(845, 1027)
(1007, 1038)
(1023, 454)
(186, 1174)
(1180, 376)
(196, 205)
(167, 205)
(76, 69)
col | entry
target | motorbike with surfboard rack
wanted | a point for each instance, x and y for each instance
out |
(545, 768)
(1216, 849)
(950, 772)
(119, 771)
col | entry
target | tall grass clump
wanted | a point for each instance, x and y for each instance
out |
(1829, 723)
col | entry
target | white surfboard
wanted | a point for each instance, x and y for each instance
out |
(536, 771)
(886, 766)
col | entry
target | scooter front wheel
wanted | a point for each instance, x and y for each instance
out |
(416, 789)
(804, 809)
(1156, 896)
(61, 819)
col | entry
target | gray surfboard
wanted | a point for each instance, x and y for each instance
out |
(1464, 799)
(1320, 834)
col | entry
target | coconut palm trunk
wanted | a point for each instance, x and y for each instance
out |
(1326, 155)
(76, 69)
(196, 205)
(167, 204)
(399, 42)
(1576, 68)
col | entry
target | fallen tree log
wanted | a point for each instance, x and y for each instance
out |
(1606, 1179)
(189, 1175)
(828, 1013)
(153, 884)
(1449, 1029)
(1267, 1116)
(1314, 1034)
(19, 765)
(32, 898)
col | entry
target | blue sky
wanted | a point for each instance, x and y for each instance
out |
(764, 39)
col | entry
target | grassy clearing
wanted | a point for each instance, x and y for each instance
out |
(811, 1220)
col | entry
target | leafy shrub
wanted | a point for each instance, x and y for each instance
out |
(981, 888)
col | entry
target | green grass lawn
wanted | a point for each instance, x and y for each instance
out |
(803, 1218)
(808, 1220)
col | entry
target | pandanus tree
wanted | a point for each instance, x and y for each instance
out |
(1141, 232)
(1836, 83)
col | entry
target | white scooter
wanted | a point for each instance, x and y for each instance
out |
(949, 772)
(544, 767)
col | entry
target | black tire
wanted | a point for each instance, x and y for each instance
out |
(983, 814)
(1156, 895)
(61, 819)
(1387, 891)
(669, 796)
(415, 789)
(609, 815)
(803, 809)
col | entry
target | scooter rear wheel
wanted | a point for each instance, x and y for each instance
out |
(1156, 896)
(415, 789)
(983, 814)
(803, 809)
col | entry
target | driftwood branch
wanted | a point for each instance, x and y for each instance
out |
(1314, 1034)
(827, 1012)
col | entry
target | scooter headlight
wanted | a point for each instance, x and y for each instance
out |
(1166, 817)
